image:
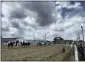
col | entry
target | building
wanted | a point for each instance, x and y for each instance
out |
(57, 40)
(7, 39)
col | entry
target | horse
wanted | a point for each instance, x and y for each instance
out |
(25, 44)
(10, 44)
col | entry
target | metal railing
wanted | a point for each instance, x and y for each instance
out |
(76, 53)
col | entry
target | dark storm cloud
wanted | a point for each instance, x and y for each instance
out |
(36, 27)
(2, 15)
(25, 23)
(18, 13)
(21, 31)
(82, 3)
(15, 24)
(74, 13)
(66, 10)
(5, 29)
(44, 11)
(30, 25)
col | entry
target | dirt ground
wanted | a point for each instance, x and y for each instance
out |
(33, 53)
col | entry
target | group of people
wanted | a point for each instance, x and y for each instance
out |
(81, 51)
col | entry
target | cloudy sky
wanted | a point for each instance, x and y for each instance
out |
(29, 19)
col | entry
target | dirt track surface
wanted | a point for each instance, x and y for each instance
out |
(47, 53)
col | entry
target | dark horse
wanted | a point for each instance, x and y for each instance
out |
(10, 44)
(25, 44)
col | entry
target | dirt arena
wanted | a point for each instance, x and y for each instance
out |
(34, 53)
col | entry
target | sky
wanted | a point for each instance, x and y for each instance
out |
(39, 19)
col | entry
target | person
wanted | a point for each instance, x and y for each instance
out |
(81, 52)
(10, 44)
(63, 50)
(17, 42)
(73, 49)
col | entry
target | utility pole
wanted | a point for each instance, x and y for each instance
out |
(34, 36)
(82, 34)
(83, 39)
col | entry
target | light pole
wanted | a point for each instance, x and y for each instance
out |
(45, 36)
(34, 38)
(13, 36)
(78, 37)
(82, 34)
(34, 35)
(83, 39)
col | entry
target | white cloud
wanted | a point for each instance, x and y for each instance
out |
(68, 5)
(71, 25)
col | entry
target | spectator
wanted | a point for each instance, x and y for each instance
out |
(81, 52)
(63, 50)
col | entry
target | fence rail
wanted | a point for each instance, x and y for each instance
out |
(76, 53)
